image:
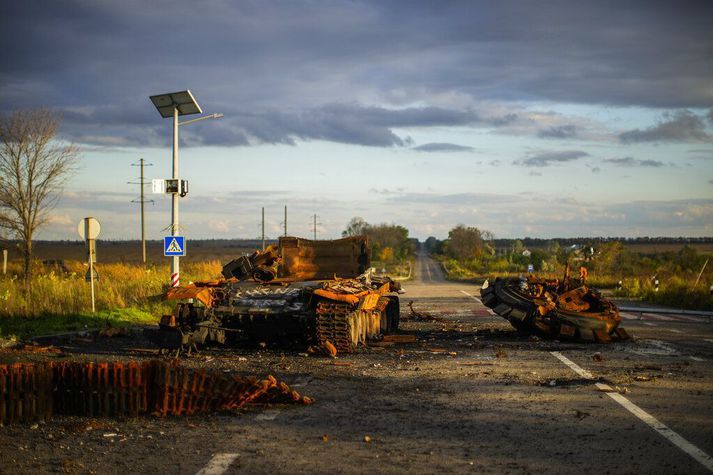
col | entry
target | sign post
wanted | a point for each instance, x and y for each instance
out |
(88, 229)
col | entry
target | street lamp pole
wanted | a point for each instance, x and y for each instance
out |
(175, 104)
(175, 260)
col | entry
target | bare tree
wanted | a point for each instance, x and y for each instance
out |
(356, 227)
(33, 170)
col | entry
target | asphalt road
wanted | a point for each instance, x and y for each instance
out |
(471, 396)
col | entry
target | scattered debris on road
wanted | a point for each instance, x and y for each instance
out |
(400, 339)
(416, 315)
(33, 348)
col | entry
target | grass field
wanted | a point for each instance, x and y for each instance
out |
(130, 251)
(60, 299)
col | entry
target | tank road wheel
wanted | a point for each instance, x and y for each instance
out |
(507, 303)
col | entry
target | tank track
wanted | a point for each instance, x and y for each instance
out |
(335, 323)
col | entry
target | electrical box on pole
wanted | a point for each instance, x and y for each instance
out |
(169, 186)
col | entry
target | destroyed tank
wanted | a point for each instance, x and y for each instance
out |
(311, 294)
(550, 308)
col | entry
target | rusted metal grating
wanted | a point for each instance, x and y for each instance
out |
(30, 392)
(25, 392)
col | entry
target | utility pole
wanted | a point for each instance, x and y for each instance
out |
(263, 228)
(142, 163)
(315, 227)
(285, 221)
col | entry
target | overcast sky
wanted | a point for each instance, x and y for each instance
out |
(534, 118)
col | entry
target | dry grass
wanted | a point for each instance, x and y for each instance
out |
(61, 301)
(119, 286)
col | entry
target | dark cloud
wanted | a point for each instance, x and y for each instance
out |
(632, 162)
(342, 123)
(250, 58)
(710, 116)
(558, 132)
(545, 159)
(596, 170)
(443, 147)
(347, 123)
(681, 126)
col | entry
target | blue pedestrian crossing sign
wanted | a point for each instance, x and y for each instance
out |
(174, 246)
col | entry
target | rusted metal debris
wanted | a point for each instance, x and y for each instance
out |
(312, 294)
(36, 391)
(400, 338)
(416, 315)
(566, 309)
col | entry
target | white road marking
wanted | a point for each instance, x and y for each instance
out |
(428, 271)
(219, 464)
(673, 437)
(628, 316)
(268, 415)
(674, 330)
(472, 296)
(649, 324)
(696, 358)
(708, 340)
(489, 310)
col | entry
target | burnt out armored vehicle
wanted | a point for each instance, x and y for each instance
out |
(301, 293)
(550, 308)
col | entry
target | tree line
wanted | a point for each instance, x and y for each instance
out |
(389, 242)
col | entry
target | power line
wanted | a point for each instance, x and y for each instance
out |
(314, 224)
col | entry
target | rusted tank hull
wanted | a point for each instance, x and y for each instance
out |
(304, 259)
(322, 295)
(538, 307)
